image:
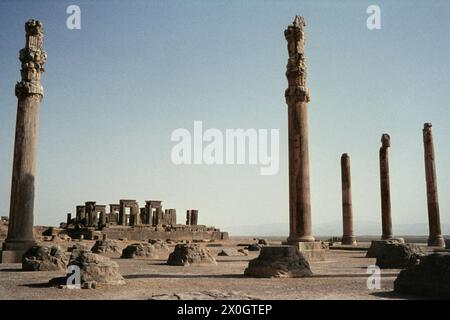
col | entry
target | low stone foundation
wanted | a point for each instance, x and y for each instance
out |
(377, 246)
(279, 262)
(312, 251)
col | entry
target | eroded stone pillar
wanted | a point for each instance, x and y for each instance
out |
(386, 219)
(435, 238)
(194, 217)
(188, 217)
(90, 212)
(29, 92)
(348, 237)
(297, 98)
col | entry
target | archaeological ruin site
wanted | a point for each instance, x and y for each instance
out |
(128, 249)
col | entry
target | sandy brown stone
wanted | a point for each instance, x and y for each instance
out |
(106, 247)
(44, 258)
(96, 268)
(398, 255)
(139, 250)
(377, 246)
(204, 295)
(279, 262)
(190, 254)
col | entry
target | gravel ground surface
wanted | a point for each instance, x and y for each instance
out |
(342, 276)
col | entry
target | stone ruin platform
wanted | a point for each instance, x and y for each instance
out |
(197, 233)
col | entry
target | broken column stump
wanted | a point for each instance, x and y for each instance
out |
(190, 254)
(106, 247)
(429, 278)
(279, 262)
(44, 258)
(145, 250)
(398, 255)
(95, 270)
(377, 246)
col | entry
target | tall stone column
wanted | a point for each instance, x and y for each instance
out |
(29, 92)
(188, 217)
(348, 237)
(297, 98)
(435, 238)
(386, 219)
(90, 213)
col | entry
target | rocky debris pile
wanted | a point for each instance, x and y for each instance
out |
(429, 278)
(44, 258)
(138, 250)
(95, 270)
(398, 255)
(190, 254)
(204, 295)
(279, 262)
(106, 247)
(159, 245)
(145, 250)
(377, 246)
(232, 252)
(78, 246)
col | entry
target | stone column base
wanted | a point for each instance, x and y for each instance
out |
(377, 245)
(437, 241)
(312, 251)
(12, 251)
(279, 262)
(348, 240)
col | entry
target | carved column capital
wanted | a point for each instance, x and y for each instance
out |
(33, 58)
(296, 67)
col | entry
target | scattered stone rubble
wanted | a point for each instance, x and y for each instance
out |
(232, 252)
(204, 295)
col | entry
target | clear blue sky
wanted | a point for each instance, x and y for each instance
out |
(137, 70)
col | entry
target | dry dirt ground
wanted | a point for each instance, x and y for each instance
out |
(342, 276)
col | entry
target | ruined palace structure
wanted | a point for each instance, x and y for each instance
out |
(435, 238)
(29, 92)
(126, 220)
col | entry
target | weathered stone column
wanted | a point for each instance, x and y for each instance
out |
(188, 217)
(90, 212)
(386, 219)
(297, 98)
(194, 217)
(435, 238)
(348, 237)
(29, 92)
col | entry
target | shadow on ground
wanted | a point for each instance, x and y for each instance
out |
(184, 276)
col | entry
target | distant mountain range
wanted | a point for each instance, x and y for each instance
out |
(331, 229)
